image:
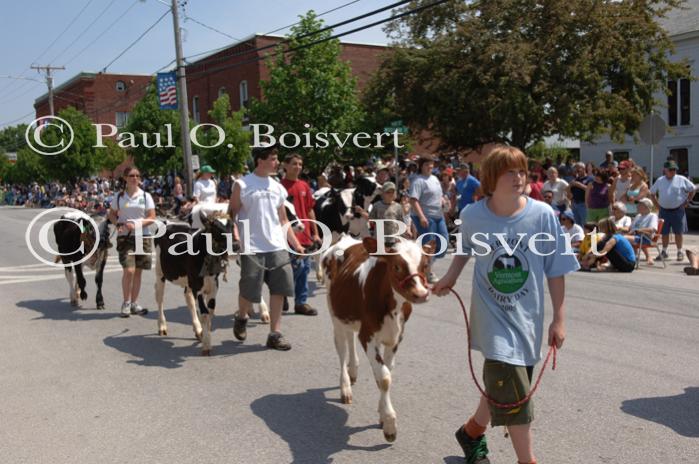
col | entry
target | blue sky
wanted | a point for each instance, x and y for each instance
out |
(28, 31)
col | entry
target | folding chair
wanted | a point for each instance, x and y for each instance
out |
(653, 243)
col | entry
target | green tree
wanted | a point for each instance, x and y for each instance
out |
(12, 138)
(29, 167)
(230, 156)
(80, 159)
(148, 118)
(111, 156)
(311, 86)
(518, 70)
(5, 167)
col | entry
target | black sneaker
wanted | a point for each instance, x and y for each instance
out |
(475, 451)
(305, 310)
(240, 328)
(276, 341)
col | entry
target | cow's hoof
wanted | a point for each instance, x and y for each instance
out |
(198, 335)
(162, 332)
(390, 437)
(83, 295)
(100, 305)
(74, 302)
(346, 399)
(264, 318)
(353, 380)
(206, 352)
(389, 429)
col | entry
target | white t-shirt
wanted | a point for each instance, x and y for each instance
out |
(132, 207)
(577, 234)
(646, 221)
(559, 190)
(205, 190)
(624, 222)
(672, 193)
(261, 198)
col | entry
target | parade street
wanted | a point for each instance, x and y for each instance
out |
(86, 386)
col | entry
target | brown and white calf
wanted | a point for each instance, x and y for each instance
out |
(370, 298)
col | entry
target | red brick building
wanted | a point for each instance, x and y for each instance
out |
(234, 70)
(104, 98)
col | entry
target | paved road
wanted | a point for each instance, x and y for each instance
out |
(84, 386)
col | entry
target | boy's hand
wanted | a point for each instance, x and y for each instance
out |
(442, 287)
(557, 333)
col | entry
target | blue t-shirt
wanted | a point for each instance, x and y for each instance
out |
(623, 246)
(466, 188)
(507, 300)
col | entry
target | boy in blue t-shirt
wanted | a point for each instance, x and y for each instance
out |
(517, 243)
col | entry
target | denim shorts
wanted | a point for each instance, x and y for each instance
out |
(675, 220)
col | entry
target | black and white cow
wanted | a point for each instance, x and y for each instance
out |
(75, 237)
(196, 270)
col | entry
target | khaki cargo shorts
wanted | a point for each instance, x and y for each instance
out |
(126, 245)
(506, 383)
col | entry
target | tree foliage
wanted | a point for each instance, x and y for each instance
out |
(148, 118)
(80, 159)
(311, 86)
(111, 156)
(29, 167)
(223, 158)
(12, 138)
(516, 71)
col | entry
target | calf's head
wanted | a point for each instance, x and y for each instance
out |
(405, 267)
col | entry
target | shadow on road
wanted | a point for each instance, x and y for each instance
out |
(676, 412)
(60, 310)
(314, 427)
(454, 460)
(157, 351)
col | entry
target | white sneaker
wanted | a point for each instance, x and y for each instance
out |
(125, 309)
(663, 255)
(136, 309)
(680, 255)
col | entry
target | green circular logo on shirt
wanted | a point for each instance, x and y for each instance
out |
(508, 273)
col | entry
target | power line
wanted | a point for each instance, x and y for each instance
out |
(310, 34)
(189, 18)
(55, 40)
(311, 44)
(187, 58)
(92, 42)
(89, 26)
(136, 41)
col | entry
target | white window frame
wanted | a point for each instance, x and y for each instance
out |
(221, 91)
(243, 90)
(195, 108)
(123, 86)
(126, 116)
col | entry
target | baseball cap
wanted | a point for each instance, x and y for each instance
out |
(206, 169)
(670, 165)
(388, 186)
(647, 202)
(568, 214)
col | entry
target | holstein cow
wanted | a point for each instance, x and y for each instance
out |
(372, 296)
(197, 270)
(75, 233)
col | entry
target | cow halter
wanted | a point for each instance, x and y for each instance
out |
(420, 275)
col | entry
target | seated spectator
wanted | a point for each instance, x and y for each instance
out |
(621, 220)
(590, 230)
(643, 227)
(571, 228)
(615, 247)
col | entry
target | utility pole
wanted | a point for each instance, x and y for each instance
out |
(49, 81)
(184, 104)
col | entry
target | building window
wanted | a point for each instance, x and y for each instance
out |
(120, 86)
(679, 101)
(243, 94)
(681, 156)
(684, 102)
(122, 117)
(620, 156)
(221, 91)
(195, 109)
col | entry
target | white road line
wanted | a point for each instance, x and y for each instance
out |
(52, 277)
(38, 266)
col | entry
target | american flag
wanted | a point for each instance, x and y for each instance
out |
(167, 91)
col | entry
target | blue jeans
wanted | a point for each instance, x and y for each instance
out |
(435, 226)
(301, 266)
(580, 213)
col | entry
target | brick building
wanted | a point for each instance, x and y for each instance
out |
(233, 70)
(104, 98)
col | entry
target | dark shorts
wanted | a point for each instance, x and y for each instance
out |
(507, 383)
(615, 258)
(641, 240)
(126, 245)
(272, 268)
(675, 220)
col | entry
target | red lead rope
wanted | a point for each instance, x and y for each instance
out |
(552, 351)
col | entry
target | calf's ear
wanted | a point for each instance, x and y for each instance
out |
(430, 247)
(369, 244)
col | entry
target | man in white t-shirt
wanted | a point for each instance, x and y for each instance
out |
(257, 203)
